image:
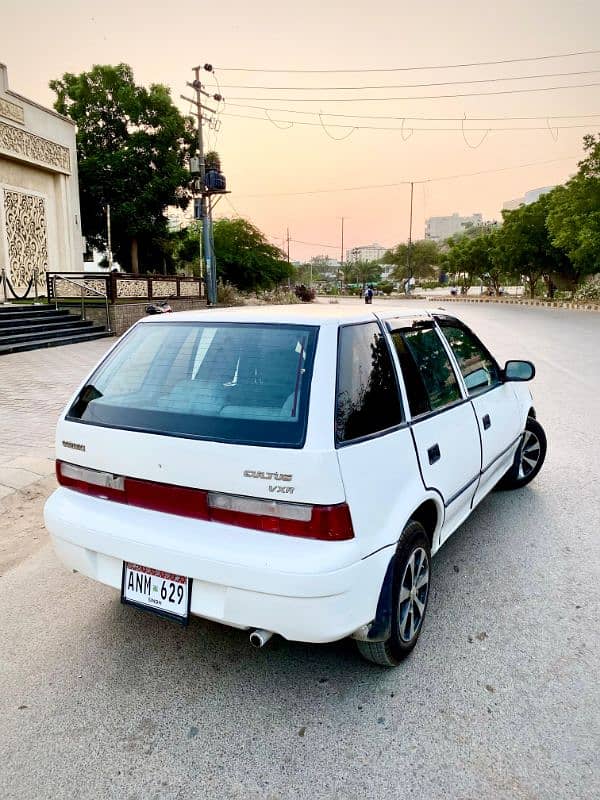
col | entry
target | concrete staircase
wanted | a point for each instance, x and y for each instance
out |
(29, 327)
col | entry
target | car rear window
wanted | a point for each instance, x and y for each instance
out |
(229, 382)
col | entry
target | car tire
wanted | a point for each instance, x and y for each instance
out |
(530, 457)
(410, 593)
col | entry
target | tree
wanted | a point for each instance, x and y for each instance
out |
(524, 247)
(492, 270)
(132, 147)
(307, 273)
(467, 259)
(185, 246)
(365, 272)
(245, 258)
(424, 256)
(573, 219)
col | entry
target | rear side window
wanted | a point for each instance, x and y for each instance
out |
(240, 383)
(367, 393)
(430, 381)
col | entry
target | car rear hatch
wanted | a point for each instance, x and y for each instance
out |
(208, 420)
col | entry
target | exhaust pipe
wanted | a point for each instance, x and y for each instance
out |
(259, 638)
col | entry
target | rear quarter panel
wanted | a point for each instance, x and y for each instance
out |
(383, 487)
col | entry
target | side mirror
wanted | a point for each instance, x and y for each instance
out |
(519, 371)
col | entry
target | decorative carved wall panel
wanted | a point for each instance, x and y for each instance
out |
(34, 148)
(67, 289)
(11, 110)
(132, 288)
(189, 289)
(163, 288)
(25, 218)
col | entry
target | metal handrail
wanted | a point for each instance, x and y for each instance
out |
(83, 288)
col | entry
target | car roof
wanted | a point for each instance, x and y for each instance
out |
(305, 313)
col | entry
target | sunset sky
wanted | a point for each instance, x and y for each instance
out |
(265, 164)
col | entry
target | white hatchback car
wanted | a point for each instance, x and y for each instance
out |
(287, 470)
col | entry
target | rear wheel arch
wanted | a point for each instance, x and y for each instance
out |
(430, 516)
(386, 642)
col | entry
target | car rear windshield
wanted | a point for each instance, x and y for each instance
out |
(229, 382)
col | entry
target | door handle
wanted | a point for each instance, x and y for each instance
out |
(487, 422)
(434, 453)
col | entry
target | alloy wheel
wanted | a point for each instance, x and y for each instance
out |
(413, 594)
(530, 454)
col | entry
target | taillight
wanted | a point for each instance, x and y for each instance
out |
(329, 523)
(326, 523)
(91, 481)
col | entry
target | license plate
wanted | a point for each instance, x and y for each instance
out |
(163, 593)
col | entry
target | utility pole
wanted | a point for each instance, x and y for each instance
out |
(205, 204)
(342, 258)
(409, 249)
(206, 248)
(288, 245)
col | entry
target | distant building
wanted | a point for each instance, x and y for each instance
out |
(439, 228)
(367, 252)
(327, 266)
(178, 219)
(529, 197)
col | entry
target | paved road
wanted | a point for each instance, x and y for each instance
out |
(499, 700)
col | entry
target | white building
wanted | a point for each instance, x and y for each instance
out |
(367, 252)
(40, 222)
(529, 197)
(178, 219)
(440, 228)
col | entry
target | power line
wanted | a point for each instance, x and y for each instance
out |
(410, 85)
(421, 119)
(233, 208)
(413, 69)
(317, 244)
(414, 97)
(408, 182)
(408, 128)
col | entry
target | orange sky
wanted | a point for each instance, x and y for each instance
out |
(41, 40)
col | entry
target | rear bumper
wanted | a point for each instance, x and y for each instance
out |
(303, 590)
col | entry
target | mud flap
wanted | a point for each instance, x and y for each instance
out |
(381, 627)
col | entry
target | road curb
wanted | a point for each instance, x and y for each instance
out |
(517, 302)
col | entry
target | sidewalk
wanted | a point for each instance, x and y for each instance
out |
(34, 388)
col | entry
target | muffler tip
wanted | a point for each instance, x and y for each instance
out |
(259, 638)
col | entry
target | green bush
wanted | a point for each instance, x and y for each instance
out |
(228, 295)
(279, 296)
(306, 294)
(590, 290)
(429, 284)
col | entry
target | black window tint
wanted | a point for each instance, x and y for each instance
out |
(434, 367)
(367, 393)
(478, 368)
(418, 400)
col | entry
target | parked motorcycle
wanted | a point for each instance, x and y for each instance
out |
(158, 308)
